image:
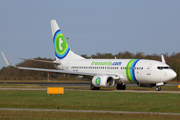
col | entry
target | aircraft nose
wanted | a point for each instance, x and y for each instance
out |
(172, 74)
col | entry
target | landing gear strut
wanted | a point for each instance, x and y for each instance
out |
(158, 88)
(94, 88)
(121, 87)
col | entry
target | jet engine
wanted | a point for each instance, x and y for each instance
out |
(103, 81)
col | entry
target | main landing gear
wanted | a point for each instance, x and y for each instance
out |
(158, 88)
(121, 86)
(94, 88)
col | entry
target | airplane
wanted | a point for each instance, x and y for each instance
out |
(105, 72)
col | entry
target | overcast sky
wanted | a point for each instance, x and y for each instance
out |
(105, 26)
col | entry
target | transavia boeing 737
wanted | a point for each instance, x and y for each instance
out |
(105, 72)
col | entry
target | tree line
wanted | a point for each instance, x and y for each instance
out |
(10, 73)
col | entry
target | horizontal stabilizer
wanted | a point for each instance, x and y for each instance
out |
(52, 62)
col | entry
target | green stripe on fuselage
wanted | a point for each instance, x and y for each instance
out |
(128, 70)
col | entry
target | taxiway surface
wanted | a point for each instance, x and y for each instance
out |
(46, 84)
(134, 91)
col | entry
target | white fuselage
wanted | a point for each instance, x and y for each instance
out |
(128, 70)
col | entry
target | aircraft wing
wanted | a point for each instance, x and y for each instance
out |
(53, 70)
(67, 72)
(47, 70)
(116, 77)
(57, 71)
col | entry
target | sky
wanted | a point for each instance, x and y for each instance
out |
(103, 26)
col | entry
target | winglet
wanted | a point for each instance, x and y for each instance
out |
(163, 60)
(6, 60)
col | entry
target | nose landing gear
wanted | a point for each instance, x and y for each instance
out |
(158, 88)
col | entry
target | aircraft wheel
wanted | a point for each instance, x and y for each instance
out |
(94, 88)
(97, 88)
(121, 87)
(158, 88)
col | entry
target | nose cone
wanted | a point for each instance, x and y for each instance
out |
(172, 74)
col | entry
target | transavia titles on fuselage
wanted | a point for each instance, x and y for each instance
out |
(105, 72)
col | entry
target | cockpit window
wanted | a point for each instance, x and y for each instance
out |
(161, 67)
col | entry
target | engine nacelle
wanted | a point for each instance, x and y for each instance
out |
(103, 81)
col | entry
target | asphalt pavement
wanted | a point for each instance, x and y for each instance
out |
(88, 111)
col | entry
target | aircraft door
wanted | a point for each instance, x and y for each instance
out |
(148, 70)
(107, 69)
(66, 67)
(165, 73)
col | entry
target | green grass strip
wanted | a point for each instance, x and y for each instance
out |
(91, 100)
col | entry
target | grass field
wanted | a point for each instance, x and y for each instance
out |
(88, 100)
(50, 81)
(2, 85)
(81, 100)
